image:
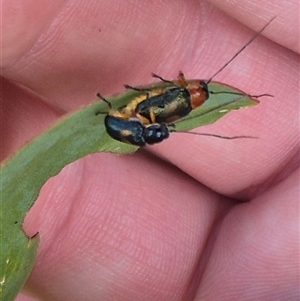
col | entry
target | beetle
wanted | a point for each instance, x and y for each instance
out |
(170, 103)
(179, 99)
(132, 131)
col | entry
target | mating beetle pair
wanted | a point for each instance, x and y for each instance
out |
(147, 119)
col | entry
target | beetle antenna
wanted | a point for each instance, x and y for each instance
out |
(242, 94)
(245, 46)
(214, 135)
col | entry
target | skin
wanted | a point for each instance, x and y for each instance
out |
(194, 218)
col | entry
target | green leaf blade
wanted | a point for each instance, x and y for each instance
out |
(76, 135)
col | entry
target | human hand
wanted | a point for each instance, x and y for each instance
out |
(135, 227)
